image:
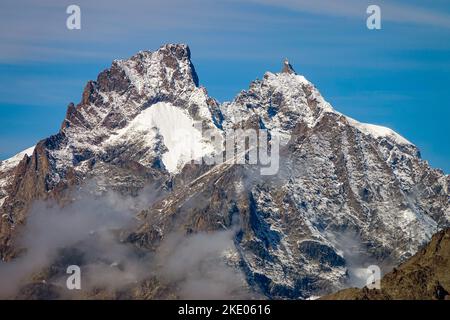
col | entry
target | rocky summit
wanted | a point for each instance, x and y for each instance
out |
(347, 194)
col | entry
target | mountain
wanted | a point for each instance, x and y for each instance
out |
(346, 194)
(424, 276)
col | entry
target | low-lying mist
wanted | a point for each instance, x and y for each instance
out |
(88, 232)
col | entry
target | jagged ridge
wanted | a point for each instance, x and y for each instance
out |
(338, 176)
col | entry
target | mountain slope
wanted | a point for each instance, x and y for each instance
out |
(345, 194)
(425, 276)
(7, 170)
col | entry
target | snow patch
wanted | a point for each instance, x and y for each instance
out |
(183, 140)
(12, 162)
(9, 165)
(379, 132)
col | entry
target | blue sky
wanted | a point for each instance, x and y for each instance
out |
(398, 76)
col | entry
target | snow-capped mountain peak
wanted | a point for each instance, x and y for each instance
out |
(128, 96)
(342, 184)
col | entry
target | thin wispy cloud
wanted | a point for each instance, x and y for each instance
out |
(37, 31)
(391, 11)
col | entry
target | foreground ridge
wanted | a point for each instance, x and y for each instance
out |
(424, 276)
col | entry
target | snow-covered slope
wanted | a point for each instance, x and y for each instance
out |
(379, 132)
(6, 171)
(12, 162)
(183, 141)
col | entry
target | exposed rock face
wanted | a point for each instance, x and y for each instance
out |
(287, 67)
(344, 188)
(425, 276)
